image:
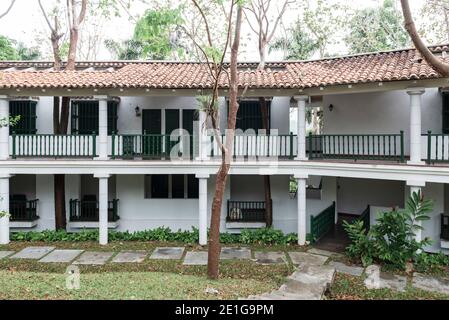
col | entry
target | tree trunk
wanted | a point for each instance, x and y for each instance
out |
(220, 183)
(60, 213)
(56, 115)
(432, 60)
(267, 183)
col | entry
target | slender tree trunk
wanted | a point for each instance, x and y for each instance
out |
(59, 192)
(220, 184)
(266, 179)
(56, 115)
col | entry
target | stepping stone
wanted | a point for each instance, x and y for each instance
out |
(302, 291)
(168, 253)
(432, 284)
(4, 254)
(235, 253)
(379, 280)
(269, 257)
(322, 275)
(195, 258)
(34, 253)
(304, 258)
(61, 256)
(93, 258)
(343, 268)
(324, 253)
(130, 257)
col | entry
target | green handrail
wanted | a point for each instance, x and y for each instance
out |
(322, 223)
(437, 147)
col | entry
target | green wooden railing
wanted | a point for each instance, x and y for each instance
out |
(23, 210)
(53, 146)
(322, 223)
(246, 211)
(445, 226)
(357, 146)
(282, 146)
(365, 217)
(152, 146)
(437, 147)
(88, 211)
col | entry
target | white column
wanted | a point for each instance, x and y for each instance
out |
(4, 206)
(416, 186)
(202, 208)
(415, 125)
(4, 130)
(103, 207)
(301, 126)
(102, 127)
(301, 181)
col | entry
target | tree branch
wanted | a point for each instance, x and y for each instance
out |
(7, 10)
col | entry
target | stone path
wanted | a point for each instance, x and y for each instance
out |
(93, 258)
(345, 269)
(269, 257)
(4, 254)
(172, 253)
(61, 256)
(195, 258)
(130, 257)
(427, 283)
(235, 253)
(34, 253)
(304, 258)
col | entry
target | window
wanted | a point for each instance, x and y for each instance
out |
(249, 116)
(176, 186)
(445, 112)
(84, 116)
(27, 111)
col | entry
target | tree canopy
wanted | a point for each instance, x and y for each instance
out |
(15, 50)
(376, 29)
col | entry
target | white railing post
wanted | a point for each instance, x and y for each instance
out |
(415, 125)
(102, 127)
(103, 207)
(4, 207)
(4, 128)
(301, 127)
(202, 208)
(301, 181)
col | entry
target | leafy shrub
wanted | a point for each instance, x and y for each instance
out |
(391, 240)
(428, 262)
(162, 234)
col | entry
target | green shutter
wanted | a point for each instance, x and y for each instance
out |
(84, 117)
(26, 110)
(112, 117)
(171, 120)
(445, 112)
(249, 116)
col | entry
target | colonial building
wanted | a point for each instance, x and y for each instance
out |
(138, 153)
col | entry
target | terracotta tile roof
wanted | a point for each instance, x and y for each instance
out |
(404, 64)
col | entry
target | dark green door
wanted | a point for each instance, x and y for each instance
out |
(151, 134)
(171, 124)
(188, 117)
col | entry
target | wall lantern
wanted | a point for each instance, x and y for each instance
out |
(293, 102)
(331, 107)
(137, 110)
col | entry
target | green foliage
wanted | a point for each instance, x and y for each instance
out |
(391, 240)
(125, 50)
(261, 236)
(427, 262)
(376, 29)
(13, 50)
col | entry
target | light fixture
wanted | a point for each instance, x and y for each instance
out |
(331, 107)
(293, 102)
(292, 194)
(137, 110)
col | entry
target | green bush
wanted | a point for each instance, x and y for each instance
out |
(163, 234)
(428, 262)
(391, 241)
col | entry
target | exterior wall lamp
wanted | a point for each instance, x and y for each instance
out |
(137, 110)
(331, 107)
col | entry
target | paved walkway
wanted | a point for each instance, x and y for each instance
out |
(314, 274)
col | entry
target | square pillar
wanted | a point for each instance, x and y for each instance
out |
(4, 127)
(202, 136)
(103, 207)
(4, 208)
(102, 127)
(301, 127)
(301, 181)
(415, 125)
(202, 208)
(416, 186)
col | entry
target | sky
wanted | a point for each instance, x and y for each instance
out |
(25, 23)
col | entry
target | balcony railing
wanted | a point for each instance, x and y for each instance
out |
(23, 210)
(152, 146)
(88, 211)
(246, 211)
(437, 147)
(357, 146)
(53, 146)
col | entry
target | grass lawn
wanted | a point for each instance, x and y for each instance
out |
(126, 285)
(347, 287)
